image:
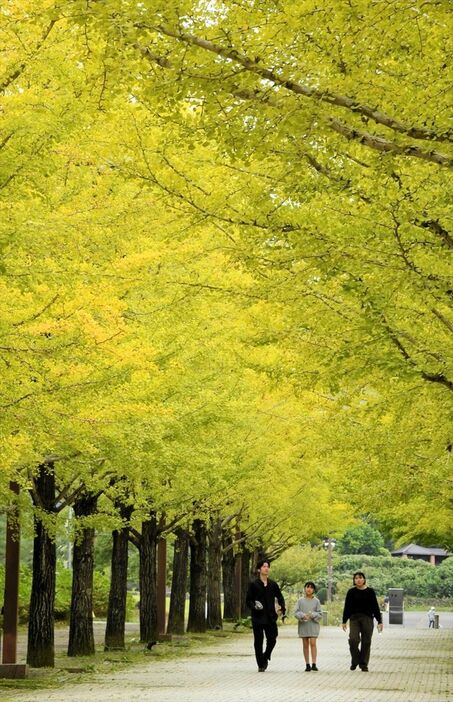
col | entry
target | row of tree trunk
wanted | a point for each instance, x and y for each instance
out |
(205, 558)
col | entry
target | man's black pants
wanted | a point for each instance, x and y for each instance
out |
(270, 630)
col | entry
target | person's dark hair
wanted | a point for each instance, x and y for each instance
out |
(359, 572)
(310, 582)
(261, 562)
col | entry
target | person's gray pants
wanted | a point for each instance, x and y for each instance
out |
(360, 633)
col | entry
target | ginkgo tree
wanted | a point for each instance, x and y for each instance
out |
(329, 175)
(336, 146)
(226, 263)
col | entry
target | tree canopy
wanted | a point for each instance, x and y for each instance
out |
(226, 257)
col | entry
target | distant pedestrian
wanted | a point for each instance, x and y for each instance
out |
(308, 613)
(261, 595)
(360, 607)
(431, 618)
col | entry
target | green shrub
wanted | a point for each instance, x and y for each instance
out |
(418, 578)
(101, 587)
(24, 590)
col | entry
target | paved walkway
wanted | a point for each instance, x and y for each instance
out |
(408, 664)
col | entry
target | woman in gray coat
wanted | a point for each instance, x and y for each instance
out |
(308, 613)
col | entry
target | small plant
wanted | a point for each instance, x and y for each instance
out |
(245, 622)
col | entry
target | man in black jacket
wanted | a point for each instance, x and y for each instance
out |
(261, 595)
(360, 607)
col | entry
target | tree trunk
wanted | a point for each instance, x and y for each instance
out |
(214, 574)
(197, 603)
(258, 554)
(230, 604)
(178, 583)
(148, 581)
(81, 635)
(245, 580)
(116, 614)
(40, 651)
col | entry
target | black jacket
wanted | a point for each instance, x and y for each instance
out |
(267, 596)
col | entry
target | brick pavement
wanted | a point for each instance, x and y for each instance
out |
(408, 664)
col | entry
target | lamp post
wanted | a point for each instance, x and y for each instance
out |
(329, 545)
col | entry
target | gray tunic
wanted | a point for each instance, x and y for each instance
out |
(312, 607)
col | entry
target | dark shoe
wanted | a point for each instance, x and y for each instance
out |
(261, 670)
(353, 666)
(307, 668)
(313, 666)
(364, 668)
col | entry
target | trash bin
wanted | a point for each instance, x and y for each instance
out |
(436, 621)
(396, 605)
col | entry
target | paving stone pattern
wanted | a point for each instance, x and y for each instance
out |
(408, 664)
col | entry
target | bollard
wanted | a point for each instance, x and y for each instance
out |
(324, 617)
(436, 621)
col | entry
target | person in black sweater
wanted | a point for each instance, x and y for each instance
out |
(261, 595)
(360, 607)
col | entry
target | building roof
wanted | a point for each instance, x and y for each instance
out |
(416, 550)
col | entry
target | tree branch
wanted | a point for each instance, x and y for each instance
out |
(37, 314)
(443, 319)
(378, 143)
(431, 377)
(434, 226)
(351, 104)
(20, 69)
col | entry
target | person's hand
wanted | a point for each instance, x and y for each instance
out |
(380, 627)
(344, 626)
(258, 605)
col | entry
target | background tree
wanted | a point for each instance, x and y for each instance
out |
(362, 538)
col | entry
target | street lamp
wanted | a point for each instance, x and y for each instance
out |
(329, 545)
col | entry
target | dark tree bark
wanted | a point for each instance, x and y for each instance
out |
(81, 635)
(245, 580)
(197, 603)
(148, 580)
(40, 650)
(116, 614)
(257, 555)
(178, 583)
(214, 619)
(230, 603)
